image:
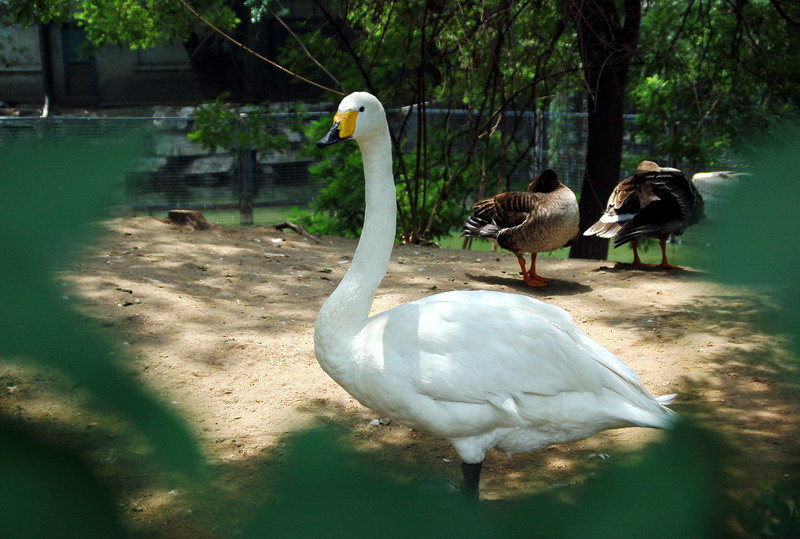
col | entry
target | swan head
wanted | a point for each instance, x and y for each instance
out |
(360, 116)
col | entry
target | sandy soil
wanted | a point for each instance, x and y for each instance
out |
(219, 324)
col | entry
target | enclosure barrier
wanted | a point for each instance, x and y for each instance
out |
(244, 186)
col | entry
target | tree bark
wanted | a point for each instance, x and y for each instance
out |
(606, 47)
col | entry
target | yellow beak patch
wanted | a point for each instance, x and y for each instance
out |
(347, 122)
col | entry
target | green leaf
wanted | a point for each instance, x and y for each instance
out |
(49, 492)
(50, 196)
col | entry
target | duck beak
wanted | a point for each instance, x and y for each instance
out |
(344, 124)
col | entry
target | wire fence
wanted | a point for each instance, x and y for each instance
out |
(262, 187)
(229, 187)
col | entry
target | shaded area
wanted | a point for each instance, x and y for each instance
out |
(221, 332)
(215, 327)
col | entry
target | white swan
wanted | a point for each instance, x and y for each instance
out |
(482, 369)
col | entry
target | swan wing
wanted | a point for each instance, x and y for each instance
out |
(467, 347)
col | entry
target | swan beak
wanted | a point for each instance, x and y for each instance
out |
(344, 124)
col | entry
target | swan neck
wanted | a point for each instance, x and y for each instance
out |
(348, 307)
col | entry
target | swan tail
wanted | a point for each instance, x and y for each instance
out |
(666, 400)
(669, 417)
(652, 414)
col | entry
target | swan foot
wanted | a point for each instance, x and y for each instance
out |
(468, 489)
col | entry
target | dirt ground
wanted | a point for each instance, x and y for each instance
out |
(219, 325)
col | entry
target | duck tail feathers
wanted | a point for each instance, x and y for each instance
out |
(479, 228)
(602, 229)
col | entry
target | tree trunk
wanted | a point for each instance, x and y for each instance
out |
(606, 48)
(193, 220)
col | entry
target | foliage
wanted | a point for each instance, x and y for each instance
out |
(133, 23)
(713, 73)
(10, 51)
(672, 491)
(51, 192)
(221, 125)
(445, 56)
(774, 513)
(771, 188)
(48, 491)
(41, 11)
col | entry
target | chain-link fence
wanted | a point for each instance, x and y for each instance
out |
(262, 187)
(175, 172)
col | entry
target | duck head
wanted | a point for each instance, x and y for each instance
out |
(546, 182)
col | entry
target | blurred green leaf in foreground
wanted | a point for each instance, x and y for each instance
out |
(50, 193)
(673, 490)
(755, 242)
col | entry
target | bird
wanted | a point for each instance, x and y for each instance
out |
(483, 369)
(542, 219)
(656, 202)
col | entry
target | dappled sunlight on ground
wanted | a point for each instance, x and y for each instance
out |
(219, 325)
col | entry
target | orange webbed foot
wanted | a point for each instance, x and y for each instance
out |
(535, 282)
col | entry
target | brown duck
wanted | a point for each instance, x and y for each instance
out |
(656, 202)
(542, 219)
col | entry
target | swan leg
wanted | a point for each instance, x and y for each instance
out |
(471, 482)
(530, 281)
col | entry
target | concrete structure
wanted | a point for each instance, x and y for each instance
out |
(49, 60)
(112, 76)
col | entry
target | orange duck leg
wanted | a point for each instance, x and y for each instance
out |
(664, 262)
(530, 276)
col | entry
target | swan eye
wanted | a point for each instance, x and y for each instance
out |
(361, 109)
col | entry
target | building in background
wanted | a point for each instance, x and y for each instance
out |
(50, 60)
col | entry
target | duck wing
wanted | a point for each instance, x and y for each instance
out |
(495, 215)
(623, 204)
(669, 203)
(507, 210)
